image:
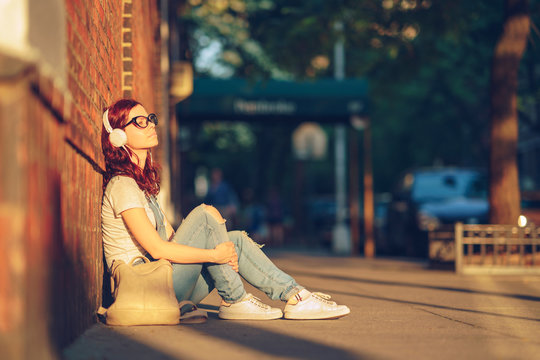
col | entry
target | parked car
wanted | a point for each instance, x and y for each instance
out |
(424, 199)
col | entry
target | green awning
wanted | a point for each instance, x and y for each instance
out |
(325, 100)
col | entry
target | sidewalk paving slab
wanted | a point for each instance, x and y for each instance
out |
(400, 309)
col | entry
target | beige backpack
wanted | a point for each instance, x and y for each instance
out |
(143, 294)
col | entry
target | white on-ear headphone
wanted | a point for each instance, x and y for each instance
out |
(117, 137)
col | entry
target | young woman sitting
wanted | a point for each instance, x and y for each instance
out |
(204, 255)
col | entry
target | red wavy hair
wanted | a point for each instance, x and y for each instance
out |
(117, 160)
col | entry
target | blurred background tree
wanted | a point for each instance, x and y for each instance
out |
(428, 64)
(504, 196)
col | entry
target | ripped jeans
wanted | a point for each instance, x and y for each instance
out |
(194, 282)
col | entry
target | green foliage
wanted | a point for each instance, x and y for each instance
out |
(427, 62)
(255, 157)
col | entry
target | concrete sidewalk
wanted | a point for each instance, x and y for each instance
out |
(399, 310)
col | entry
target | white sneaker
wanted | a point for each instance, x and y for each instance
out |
(250, 308)
(310, 306)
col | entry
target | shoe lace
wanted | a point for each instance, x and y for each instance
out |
(255, 300)
(322, 297)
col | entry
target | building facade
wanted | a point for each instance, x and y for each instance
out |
(61, 63)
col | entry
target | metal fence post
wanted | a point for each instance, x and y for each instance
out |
(458, 230)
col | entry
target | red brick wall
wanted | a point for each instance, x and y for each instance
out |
(94, 63)
(144, 62)
(30, 218)
(50, 199)
(142, 73)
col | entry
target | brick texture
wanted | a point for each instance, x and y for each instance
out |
(127, 46)
(50, 199)
(145, 60)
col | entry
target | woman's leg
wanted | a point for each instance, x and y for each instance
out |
(203, 287)
(205, 228)
(260, 271)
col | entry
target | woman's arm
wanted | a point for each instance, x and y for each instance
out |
(168, 227)
(140, 226)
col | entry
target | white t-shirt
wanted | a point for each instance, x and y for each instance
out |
(122, 193)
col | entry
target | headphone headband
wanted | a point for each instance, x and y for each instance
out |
(117, 137)
(106, 122)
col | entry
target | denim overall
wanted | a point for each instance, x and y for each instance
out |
(194, 282)
(160, 221)
(160, 225)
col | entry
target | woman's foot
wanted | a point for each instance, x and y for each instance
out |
(250, 308)
(310, 306)
(191, 314)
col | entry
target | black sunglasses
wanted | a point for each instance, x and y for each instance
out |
(142, 121)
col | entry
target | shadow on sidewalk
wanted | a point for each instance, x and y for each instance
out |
(268, 341)
(422, 286)
(104, 342)
(427, 305)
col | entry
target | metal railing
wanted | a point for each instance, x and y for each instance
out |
(441, 244)
(497, 249)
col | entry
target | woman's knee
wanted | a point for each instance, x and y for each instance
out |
(236, 236)
(213, 212)
(241, 237)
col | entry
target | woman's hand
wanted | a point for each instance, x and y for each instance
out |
(225, 253)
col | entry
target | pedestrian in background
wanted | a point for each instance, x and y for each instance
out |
(222, 196)
(274, 217)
